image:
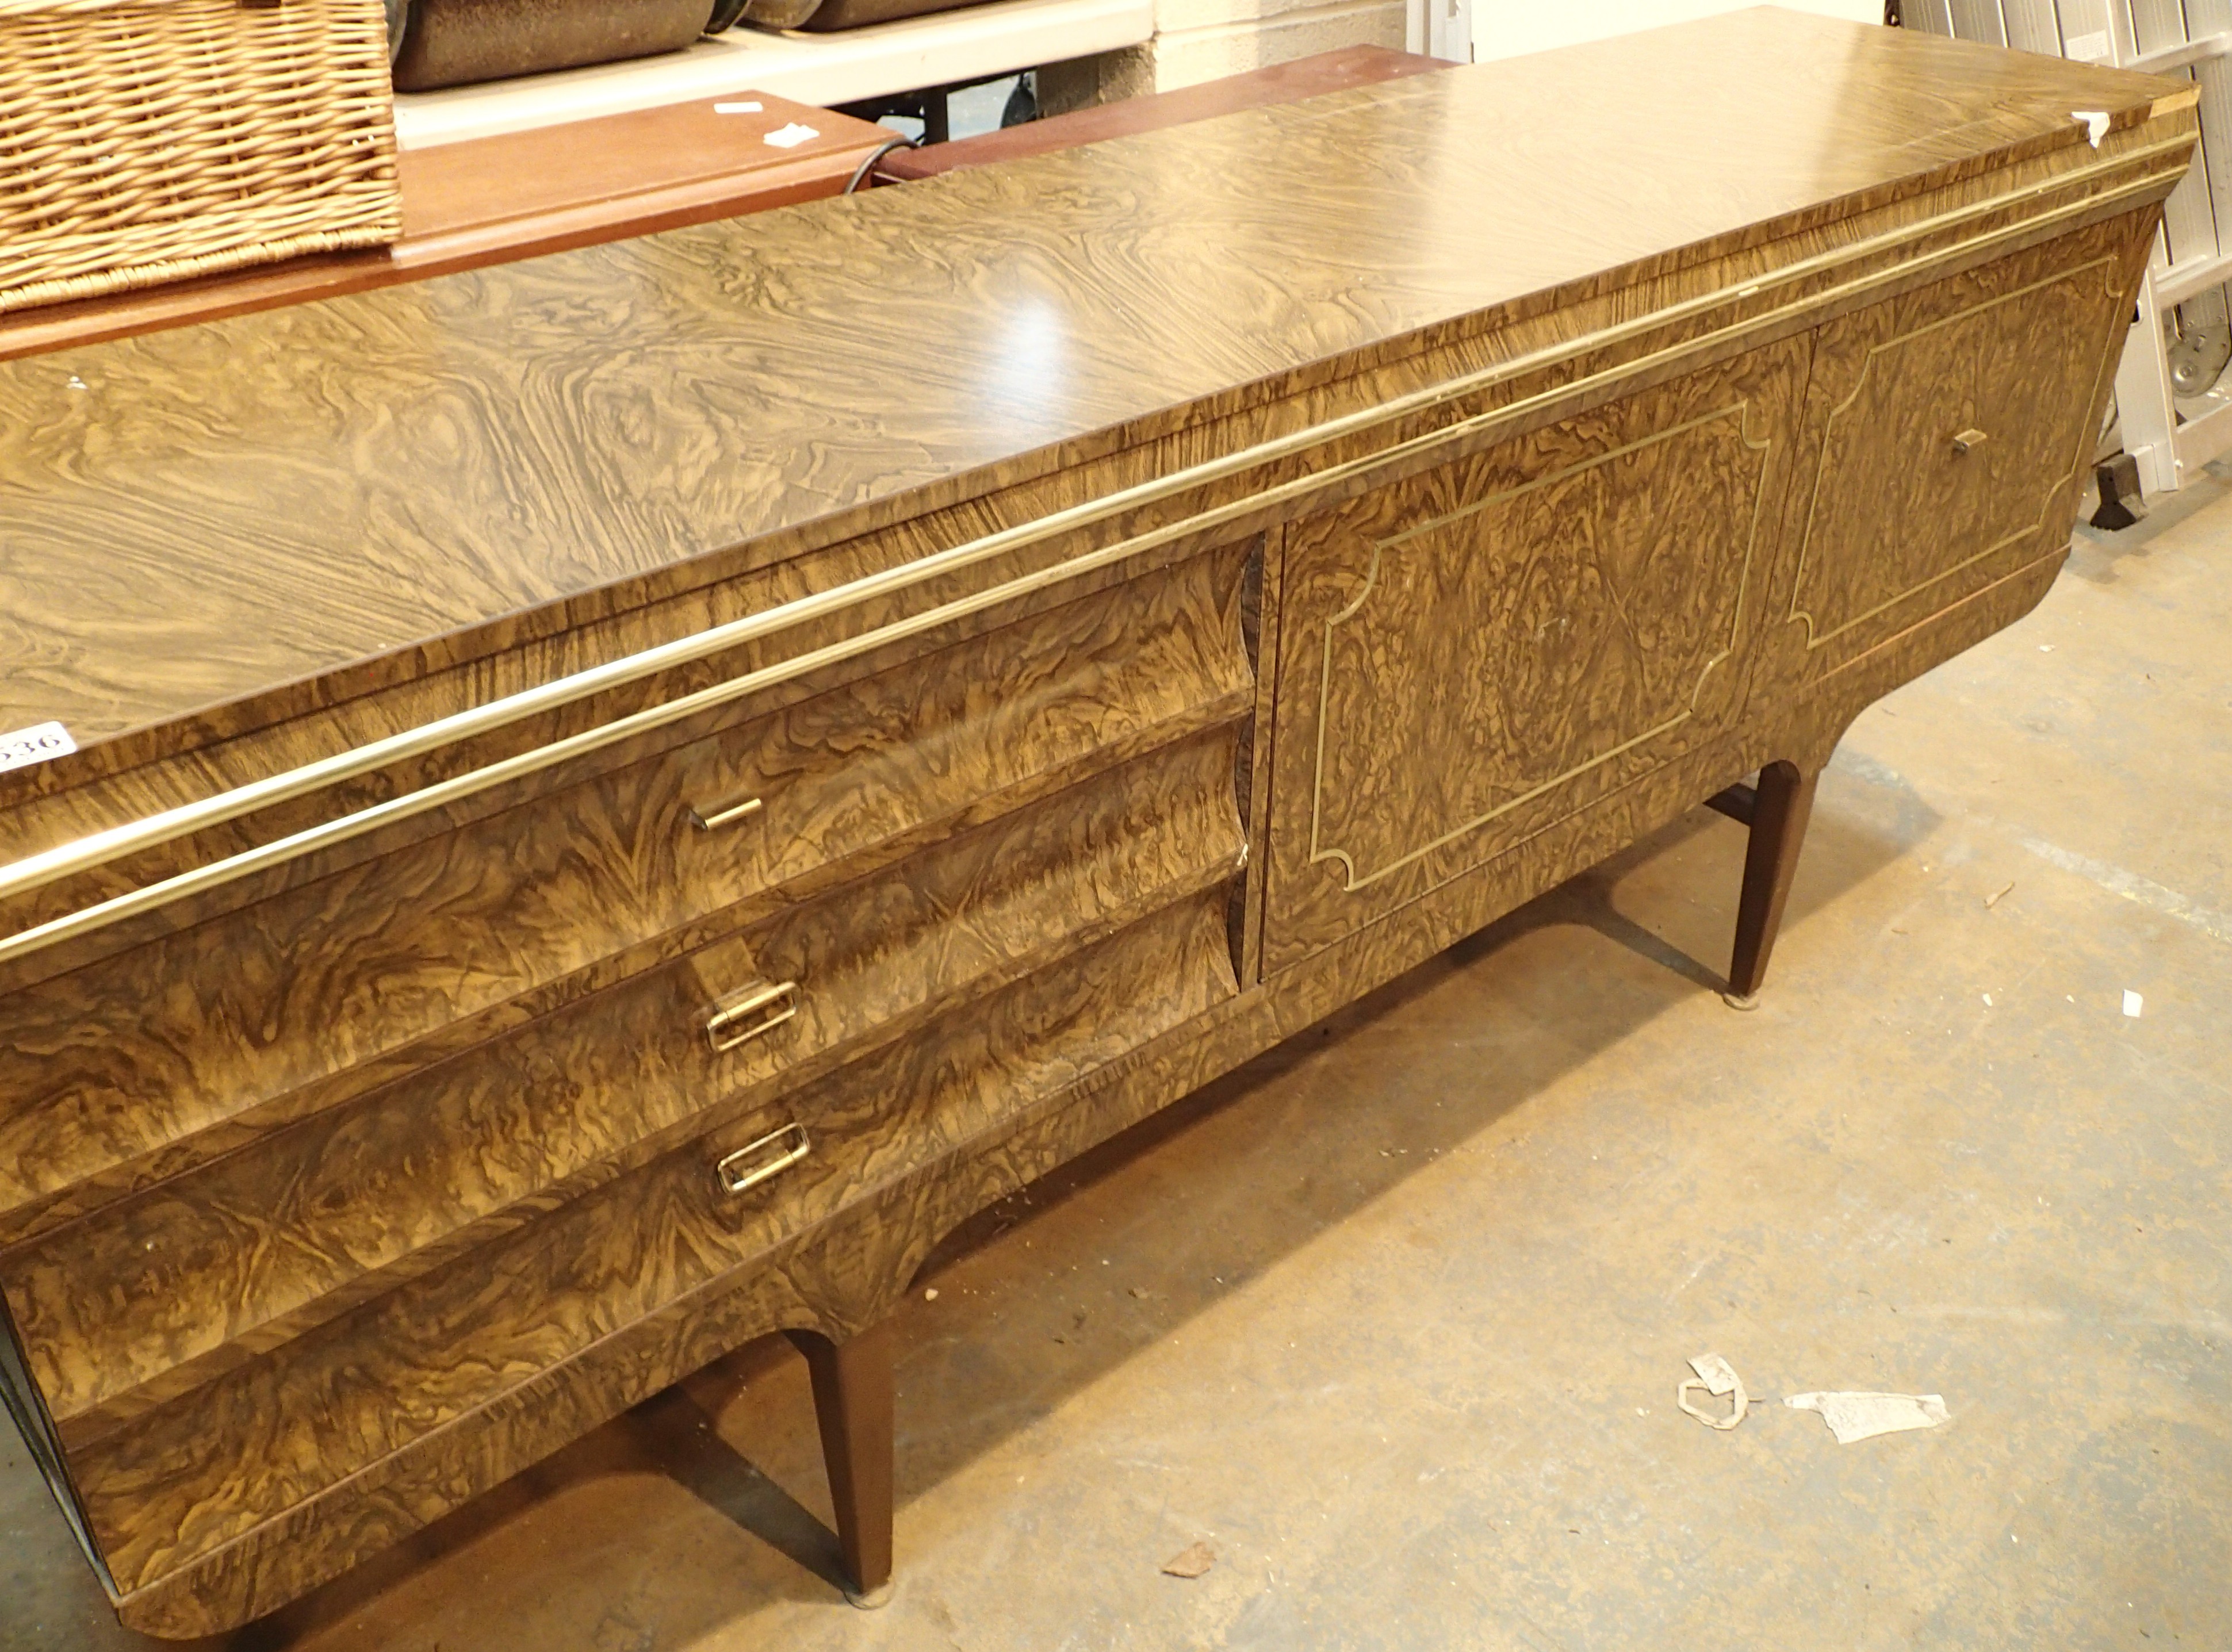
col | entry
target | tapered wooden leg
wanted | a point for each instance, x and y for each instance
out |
(852, 1403)
(1780, 812)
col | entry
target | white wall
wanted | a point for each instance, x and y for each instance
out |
(1508, 28)
(1199, 40)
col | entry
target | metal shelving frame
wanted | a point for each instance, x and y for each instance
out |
(2168, 435)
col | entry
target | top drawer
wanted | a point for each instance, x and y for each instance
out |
(135, 1066)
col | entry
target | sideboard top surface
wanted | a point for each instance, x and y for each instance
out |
(196, 517)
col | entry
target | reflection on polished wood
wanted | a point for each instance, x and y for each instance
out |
(996, 654)
(488, 200)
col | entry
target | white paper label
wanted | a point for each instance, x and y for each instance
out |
(736, 108)
(2089, 48)
(791, 136)
(20, 748)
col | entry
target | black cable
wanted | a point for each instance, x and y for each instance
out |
(859, 173)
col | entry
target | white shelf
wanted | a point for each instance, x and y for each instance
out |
(819, 69)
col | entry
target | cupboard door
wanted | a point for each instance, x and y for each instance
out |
(1471, 655)
(1945, 436)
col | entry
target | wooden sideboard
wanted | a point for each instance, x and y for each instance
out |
(620, 797)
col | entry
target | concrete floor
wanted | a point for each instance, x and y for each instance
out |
(1392, 1319)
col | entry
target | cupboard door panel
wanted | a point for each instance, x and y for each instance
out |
(1945, 436)
(1476, 652)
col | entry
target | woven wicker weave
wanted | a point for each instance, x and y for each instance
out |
(144, 140)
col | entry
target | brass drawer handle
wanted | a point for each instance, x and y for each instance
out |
(723, 817)
(779, 1150)
(1968, 440)
(752, 1014)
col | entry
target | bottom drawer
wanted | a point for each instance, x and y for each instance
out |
(391, 1389)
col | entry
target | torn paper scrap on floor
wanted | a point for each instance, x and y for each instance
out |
(1862, 1416)
(1717, 1377)
(1191, 1563)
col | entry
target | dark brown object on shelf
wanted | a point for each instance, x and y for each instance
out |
(1305, 77)
(491, 200)
(649, 784)
(833, 15)
(459, 43)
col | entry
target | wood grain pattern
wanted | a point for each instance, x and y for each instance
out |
(279, 495)
(332, 1196)
(489, 200)
(2011, 355)
(210, 1266)
(1474, 653)
(1256, 492)
(627, 1264)
(114, 1074)
(379, 696)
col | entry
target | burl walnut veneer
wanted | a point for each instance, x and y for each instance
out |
(618, 798)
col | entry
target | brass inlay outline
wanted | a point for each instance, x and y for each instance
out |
(1828, 429)
(98, 849)
(1740, 410)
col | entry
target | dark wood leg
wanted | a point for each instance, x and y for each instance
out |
(852, 1403)
(1780, 811)
(1739, 802)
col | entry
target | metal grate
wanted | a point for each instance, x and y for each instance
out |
(2173, 415)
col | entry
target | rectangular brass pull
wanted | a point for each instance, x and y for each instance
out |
(759, 1010)
(1966, 440)
(757, 1162)
(722, 817)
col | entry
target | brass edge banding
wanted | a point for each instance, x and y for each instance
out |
(100, 848)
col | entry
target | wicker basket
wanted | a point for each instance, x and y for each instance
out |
(144, 140)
